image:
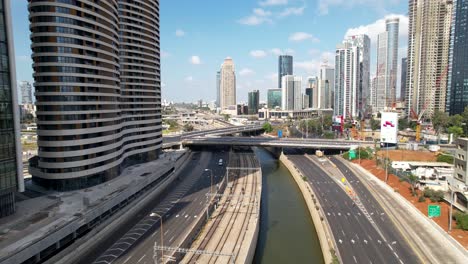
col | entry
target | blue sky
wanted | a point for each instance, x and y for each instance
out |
(196, 36)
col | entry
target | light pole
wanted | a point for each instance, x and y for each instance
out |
(211, 185)
(162, 235)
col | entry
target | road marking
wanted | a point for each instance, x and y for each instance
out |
(154, 234)
(352, 241)
(195, 216)
(343, 232)
(127, 259)
(142, 257)
(355, 260)
(365, 241)
(380, 242)
(165, 233)
(341, 241)
(394, 242)
(328, 214)
(339, 214)
(186, 216)
(171, 239)
(177, 216)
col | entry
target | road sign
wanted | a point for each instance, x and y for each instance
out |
(352, 154)
(280, 133)
(433, 210)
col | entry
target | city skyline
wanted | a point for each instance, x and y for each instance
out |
(186, 70)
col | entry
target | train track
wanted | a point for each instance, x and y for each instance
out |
(212, 241)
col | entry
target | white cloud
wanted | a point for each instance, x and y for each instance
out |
(180, 33)
(378, 5)
(258, 17)
(195, 60)
(309, 66)
(246, 72)
(292, 11)
(273, 2)
(258, 54)
(277, 51)
(261, 12)
(189, 78)
(165, 54)
(163, 84)
(313, 52)
(301, 36)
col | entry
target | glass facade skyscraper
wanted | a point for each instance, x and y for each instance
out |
(458, 77)
(98, 91)
(11, 179)
(285, 67)
(274, 98)
(254, 102)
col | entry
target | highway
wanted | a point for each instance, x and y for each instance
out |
(180, 209)
(357, 237)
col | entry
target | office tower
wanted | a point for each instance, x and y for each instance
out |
(373, 93)
(11, 166)
(458, 74)
(285, 67)
(98, 91)
(387, 65)
(324, 101)
(254, 102)
(327, 84)
(291, 95)
(305, 101)
(314, 99)
(428, 56)
(274, 98)
(218, 88)
(362, 73)
(404, 67)
(26, 92)
(309, 92)
(352, 64)
(227, 84)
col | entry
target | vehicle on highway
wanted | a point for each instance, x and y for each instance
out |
(220, 162)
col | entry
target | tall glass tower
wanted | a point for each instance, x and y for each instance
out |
(98, 92)
(285, 67)
(11, 172)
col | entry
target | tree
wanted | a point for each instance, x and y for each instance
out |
(455, 130)
(375, 124)
(188, 127)
(445, 158)
(267, 127)
(440, 120)
(413, 180)
(403, 124)
(327, 122)
(456, 120)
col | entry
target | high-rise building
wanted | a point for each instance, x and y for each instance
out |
(285, 67)
(26, 92)
(387, 65)
(363, 45)
(314, 98)
(254, 102)
(98, 89)
(291, 95)
(11, 171)
(309, 92)
(352, 64)
(428, 56)
(274, 98)
(218, 87)
(326, 85)
(458, 73)
(227, 84)
(404, 68)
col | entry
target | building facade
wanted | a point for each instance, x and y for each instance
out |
(404, 70)
(26, 92)
(98, 89)
(428, 56)
(274, 98)
(254, 102)
(11, 165)
(291, 95)
(387, 66)
(228, 84)
(218, 87)
(458, 73)
(285, 67)
(327, 84)
(309, 92)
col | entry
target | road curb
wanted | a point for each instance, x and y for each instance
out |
(326, 239)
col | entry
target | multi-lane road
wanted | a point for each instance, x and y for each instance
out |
(180, 209)
(361, 236)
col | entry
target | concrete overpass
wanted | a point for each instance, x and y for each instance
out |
(322, 144)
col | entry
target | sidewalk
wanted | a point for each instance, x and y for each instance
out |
(426, 237)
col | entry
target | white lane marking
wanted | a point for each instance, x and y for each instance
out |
(352, 241)
(355, 260)
(343, 232)
(365, 241)
(165, 233)
(142, 257)
(128, 259)
(154, 234)
(171, 239)
(195, 216)
(341, 241)
(177, 216)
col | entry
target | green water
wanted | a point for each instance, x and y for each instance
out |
(287, 233)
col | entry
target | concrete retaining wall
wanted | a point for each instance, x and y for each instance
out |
(253, 245)
(320, 222)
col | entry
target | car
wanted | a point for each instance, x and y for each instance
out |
(220, 162)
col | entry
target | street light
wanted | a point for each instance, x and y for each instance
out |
(211, 185)
(162, 235)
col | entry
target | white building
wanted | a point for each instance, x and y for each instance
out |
(327, 86)
(291, 95)
(26, 93)
(227, 85)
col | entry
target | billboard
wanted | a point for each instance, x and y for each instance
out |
(389, 128)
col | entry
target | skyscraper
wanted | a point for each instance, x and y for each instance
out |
(228, 84)
(218, 87)
(285, 67)
(11, 171)
(274, 98)
(404, 68)
(98, 91)
(309, 92)
(26, 92)
(387, 65)
(291, 94)
(352, 64)
(254, 102)
(428, 55)
(326, 85)
(458, 74)
(315, 93)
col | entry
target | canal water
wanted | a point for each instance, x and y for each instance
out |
(287, 233)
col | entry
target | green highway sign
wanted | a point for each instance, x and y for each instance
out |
(352, 154)
(433, 211)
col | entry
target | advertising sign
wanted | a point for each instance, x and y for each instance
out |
(389, 128)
